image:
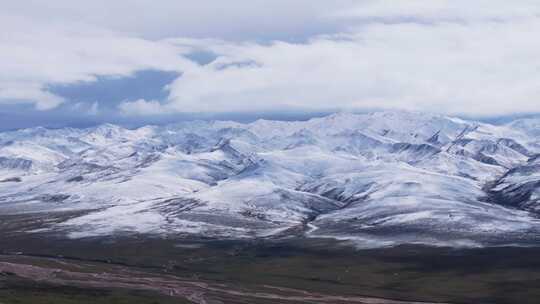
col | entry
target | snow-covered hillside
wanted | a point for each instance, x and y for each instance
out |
(381, 178)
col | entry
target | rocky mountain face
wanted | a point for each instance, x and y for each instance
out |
(377, 179)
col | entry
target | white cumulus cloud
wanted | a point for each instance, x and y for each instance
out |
(480, 68)
(34, 55)
(141, 107)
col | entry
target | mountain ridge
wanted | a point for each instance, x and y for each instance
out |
(377, 179)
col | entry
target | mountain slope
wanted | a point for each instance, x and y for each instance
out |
(380, 178)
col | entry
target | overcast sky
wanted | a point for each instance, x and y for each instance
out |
(67, 62)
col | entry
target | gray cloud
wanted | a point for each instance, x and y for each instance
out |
(231, 19)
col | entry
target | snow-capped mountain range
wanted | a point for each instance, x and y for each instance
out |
(377, 179)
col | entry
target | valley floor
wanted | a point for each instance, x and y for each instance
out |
(38, 268)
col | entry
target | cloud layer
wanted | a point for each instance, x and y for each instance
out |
(460, 57)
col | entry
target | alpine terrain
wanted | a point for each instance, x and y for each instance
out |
(375, 179)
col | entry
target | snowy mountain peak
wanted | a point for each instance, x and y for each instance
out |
(353, 176)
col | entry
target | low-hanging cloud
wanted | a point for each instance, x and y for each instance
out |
(141, 107)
